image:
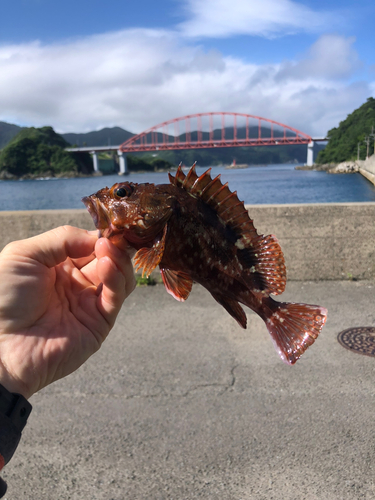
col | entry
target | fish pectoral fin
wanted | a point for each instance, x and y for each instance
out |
(177, 283)
(149, 258)
(233, 308)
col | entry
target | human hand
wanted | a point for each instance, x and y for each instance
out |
(60, 293)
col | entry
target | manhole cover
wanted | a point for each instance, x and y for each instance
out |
(360, 339)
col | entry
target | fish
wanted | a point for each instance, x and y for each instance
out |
(198, 231)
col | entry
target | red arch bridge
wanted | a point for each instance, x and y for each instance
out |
(209, 130)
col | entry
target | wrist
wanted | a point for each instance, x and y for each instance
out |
(15, 388)
(13, 384)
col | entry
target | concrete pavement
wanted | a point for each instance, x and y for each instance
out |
(181, 403)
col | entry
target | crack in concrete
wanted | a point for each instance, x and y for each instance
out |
(162, 393)
(224, 386)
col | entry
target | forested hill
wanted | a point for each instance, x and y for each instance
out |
(343, 140)
(107, 136)
(7, 132)
(37, 152)
(113, 136)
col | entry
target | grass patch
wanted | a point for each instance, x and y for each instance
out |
(150, 281)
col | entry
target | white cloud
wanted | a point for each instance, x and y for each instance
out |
(330, 57)
(269, 18)
(138, 78)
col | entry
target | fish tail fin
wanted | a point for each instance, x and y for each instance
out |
(294, 327)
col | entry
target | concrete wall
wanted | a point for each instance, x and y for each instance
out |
(322, 241)
(367, 168)
(319, 241)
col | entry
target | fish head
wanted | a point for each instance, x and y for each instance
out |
(138, 212)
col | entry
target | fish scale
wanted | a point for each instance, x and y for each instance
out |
(196, 230)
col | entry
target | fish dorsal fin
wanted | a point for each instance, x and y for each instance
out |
(177, 283)
(149, 258)
(260, 256)
(218, 195)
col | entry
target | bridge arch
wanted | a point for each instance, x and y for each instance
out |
(213, 130)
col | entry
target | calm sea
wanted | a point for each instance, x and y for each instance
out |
(272, 184)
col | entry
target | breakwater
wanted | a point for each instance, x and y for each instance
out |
(329, 241)
(367, 169)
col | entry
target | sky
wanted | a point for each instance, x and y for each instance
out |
(84, 65)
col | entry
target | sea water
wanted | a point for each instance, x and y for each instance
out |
(271, 184)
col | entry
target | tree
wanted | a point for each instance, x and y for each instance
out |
(343, 140)
(41, 151)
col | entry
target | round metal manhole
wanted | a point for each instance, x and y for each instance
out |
(360, 339)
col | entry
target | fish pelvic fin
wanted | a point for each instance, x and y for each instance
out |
(177, 284)
(294, 327)
(232, 307)
(149, 258)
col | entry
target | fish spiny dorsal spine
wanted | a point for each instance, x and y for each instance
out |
(190, 178)
(264, 249)
(218, 195)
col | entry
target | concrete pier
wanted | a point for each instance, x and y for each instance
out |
(95, 161)
(310, 154)
(180, 403)
(123, 163)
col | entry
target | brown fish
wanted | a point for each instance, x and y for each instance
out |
(196, 229)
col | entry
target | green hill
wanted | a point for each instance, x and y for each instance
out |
(343, 140)
(40, 152)
(105, 137)
(7, 132)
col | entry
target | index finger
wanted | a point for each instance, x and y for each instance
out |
(55, 246)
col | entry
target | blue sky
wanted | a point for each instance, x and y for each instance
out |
(80, 66)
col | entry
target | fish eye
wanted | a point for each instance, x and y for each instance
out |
(122, 192)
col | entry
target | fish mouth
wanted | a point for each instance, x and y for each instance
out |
(98, 212)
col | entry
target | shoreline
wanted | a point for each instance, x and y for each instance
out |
(5, 176)
(363, 167)
(316, 167)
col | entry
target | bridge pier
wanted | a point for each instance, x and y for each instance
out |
(310, 154)
(122, 162)
(95, 161)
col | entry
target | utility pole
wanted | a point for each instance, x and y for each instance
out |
(367, 141)
(359, 146)
(373, 136)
